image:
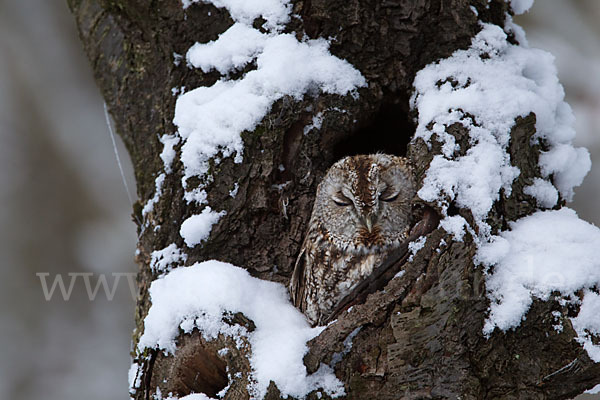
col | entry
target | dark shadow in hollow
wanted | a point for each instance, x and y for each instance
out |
(387, 131)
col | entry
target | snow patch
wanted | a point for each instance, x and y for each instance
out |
(456, 226)
(233, 50)
(594, 390)
(211, 119)
(233, 192)
(415, 246)
(569, 166)
(194, 396)
(134, 376)
(168, 153)
(544, 192)
(337, 357)
(197, 228)
(158, 183)
(484, 89)
(197, 297)
(275, 12)
(549, 251)
(161, 261)
(587, 323)
(399, 274)
(520, 6)
(317, 121)
(197, 195)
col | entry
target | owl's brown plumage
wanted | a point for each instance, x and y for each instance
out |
(362, 211)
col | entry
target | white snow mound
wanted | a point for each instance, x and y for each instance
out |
(198, 296)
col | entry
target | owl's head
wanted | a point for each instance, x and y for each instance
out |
(363, 203)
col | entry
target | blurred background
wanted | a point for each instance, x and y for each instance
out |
(65, 208)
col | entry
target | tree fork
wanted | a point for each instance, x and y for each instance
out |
(422, 336)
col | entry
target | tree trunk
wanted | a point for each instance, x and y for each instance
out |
(422, 336)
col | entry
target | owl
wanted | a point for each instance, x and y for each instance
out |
(362, 211)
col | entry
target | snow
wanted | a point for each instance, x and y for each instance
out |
(399, 274)
(196, 228)
(549, 251)
(486, 95)
(337, 357)
(569, 166)
(161, 261)
(455, 225)
(275, 12)
(198, 296)
(516, 30)
(472, 181)
(544, 192)
(594, 390)
(197, 195)
(194, 396)
(134, 377)
(485, 88)
(415, 246)
(210, 120)
(168, 153)
(233, 192)
(316, 123)
(158, 182)
(521, 6)
(587, 323)
(233, 50)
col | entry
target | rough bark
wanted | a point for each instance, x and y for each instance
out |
(421, 337)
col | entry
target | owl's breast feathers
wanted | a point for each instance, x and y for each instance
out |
(373, 239)
(363, 242)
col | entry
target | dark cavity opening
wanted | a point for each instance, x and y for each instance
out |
(389, 130)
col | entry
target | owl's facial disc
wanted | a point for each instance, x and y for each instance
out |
(366, 208)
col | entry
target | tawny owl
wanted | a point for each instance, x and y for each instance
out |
(362, 211)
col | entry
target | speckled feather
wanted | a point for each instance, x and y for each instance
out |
(362, 210)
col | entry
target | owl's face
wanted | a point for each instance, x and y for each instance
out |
(363, 203)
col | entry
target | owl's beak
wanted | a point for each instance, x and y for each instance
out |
(369, 223)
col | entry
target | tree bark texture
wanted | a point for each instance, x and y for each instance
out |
(422, 336)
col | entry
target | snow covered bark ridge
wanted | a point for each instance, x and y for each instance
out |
(485, 89)
(211, 119)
